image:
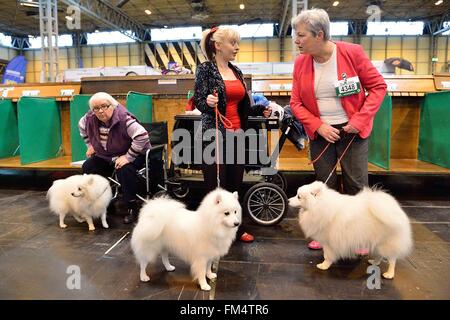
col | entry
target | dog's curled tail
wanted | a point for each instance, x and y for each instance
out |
(152, 219)
(49, 192)
(384, 207)
(55, 185)
(387, 210)
(161, 206)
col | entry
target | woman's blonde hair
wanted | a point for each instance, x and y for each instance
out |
(102, 96)
(316, 20)
(219, 35)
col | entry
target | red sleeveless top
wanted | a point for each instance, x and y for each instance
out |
(235, 92)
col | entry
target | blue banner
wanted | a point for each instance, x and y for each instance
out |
(15, 71)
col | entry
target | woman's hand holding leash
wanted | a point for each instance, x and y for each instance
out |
(328, 133)
(349, 129)
(212, 100)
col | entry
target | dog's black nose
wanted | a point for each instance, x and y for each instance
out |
(72, 194)
(236, 224)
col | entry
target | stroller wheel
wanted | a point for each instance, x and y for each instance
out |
(160, 193)
(279, 179)
(266, 204)
(179, 191)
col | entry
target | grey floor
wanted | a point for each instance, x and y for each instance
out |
(36, 258)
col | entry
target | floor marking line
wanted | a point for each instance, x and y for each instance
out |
(115, 244)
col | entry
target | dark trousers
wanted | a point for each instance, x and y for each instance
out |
(231, 170)
(353, 164)
(230, 175)
(126, 175)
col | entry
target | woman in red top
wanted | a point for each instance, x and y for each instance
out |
(336, 93)
(220, 84)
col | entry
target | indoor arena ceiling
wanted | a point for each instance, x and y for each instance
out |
(16, 19)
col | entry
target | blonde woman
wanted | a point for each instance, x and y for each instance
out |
(220, 84)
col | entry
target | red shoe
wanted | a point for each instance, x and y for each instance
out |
(362, 252)
(314, 245)
(247, 237)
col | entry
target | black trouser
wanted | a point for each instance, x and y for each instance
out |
(231, 168)
(353, 164)
(156, 169)
(231, 176)
(126, 175)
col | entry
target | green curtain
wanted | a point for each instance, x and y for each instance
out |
(380, 138)
(141, 105)
(9, 141)
(78, 108)
(39, 129)
(434, 130)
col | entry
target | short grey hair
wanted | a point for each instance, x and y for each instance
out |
(316, 20)
(102, 96)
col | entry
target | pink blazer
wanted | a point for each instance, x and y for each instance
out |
(360, 109)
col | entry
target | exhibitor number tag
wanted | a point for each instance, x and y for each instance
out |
(347, 87)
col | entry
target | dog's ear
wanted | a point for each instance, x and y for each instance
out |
(218, 198)
(236, 195)
(317, 190)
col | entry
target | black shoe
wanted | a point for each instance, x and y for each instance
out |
(130, 217)
(132, 213)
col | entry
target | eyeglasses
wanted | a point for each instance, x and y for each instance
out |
(102, 107)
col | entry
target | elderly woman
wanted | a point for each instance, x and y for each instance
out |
(336, 93)
(114, 140)
(220, 84)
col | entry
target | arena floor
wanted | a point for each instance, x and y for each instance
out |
(36, 258)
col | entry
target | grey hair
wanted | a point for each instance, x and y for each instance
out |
(102, 96)
(316, 20)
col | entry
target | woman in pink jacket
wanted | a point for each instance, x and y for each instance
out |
(336, 93)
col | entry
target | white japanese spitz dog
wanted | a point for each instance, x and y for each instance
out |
(342, 224)
(84, 196)
(198, 237)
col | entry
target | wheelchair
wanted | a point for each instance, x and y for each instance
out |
(154, 174)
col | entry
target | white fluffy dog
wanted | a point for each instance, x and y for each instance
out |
(166, 227)
(84, 196)
(342, 224)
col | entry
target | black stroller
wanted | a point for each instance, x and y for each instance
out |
(265, 202)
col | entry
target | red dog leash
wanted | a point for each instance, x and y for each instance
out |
(338, 160)
(227, 125)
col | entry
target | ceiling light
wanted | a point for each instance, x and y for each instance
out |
(438, 2)
(242, 6)
(29, 3)
(148, 11)
(335, 4)
(69, 18)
